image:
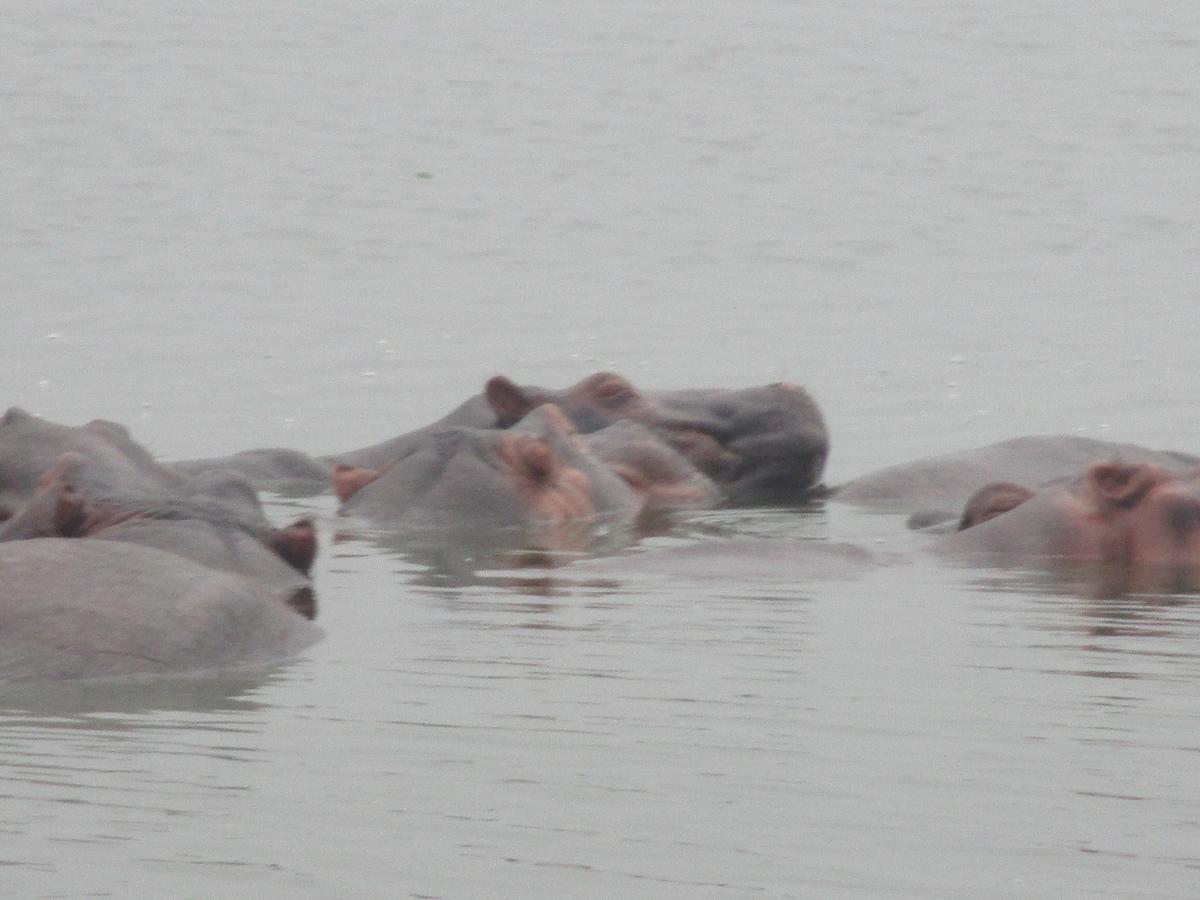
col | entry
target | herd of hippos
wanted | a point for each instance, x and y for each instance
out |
(113, 563)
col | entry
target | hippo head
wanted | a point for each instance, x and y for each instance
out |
(597, 401)
(109, 459)
(1128, 516)
(208, 529)
(761, 445)
(468, 477)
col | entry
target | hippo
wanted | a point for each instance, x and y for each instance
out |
(663, 478)
(214, 519)
(1112, 528)
(275, 469)
(111, 459)
(936, 489)
(761, 445)
(1128, 517)
(536, 474)
(74, 609)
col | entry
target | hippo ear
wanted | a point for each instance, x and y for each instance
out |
(509, 401)
(296, 544)
(14, 414)
(611, 390)
(535, 458)
(1119, 484)
(55, 511)
(71, 512)
(992, 500)
(349, 480)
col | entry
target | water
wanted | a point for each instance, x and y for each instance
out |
(234, 225)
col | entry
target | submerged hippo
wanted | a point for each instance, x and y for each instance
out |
(1122, 526)
(938, 488)
(663, 478)
(94, 609)
(536, 473)
(274, 469)
(760, 445)
(109, 459)
(1115, 527)
(214, 520)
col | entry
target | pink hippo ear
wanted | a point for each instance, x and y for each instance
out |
(349, 480)
(71, 512)
(55, 511)
(1117, 484)
(538, 459)
(533, 457)
(611, 391)
(508, 400)
(296, 544)
(992, 500)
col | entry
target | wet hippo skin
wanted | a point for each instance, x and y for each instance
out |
(937, 488)
(92, 609)
(538, 471)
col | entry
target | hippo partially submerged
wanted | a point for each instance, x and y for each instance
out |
(97, 609)
(536, 474)
(937, 488)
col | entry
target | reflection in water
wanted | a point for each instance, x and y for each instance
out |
(1120, 632)
(76, 701)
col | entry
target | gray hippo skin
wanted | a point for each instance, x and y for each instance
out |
(274, 469)
(938, 488)
(113, 461)
(1138, 521)
(1113, 528)
(220, 526)
(536, 473)
(759, 445)
(97, 609)
(661, 476)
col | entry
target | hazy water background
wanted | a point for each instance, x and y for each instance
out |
(232, 225)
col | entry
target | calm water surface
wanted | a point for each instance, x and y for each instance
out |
(233, 225)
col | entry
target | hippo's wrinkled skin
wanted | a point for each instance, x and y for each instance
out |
(1121, 515)
(760, 445)
(535, 473)
(938, 488)
(96, 609)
